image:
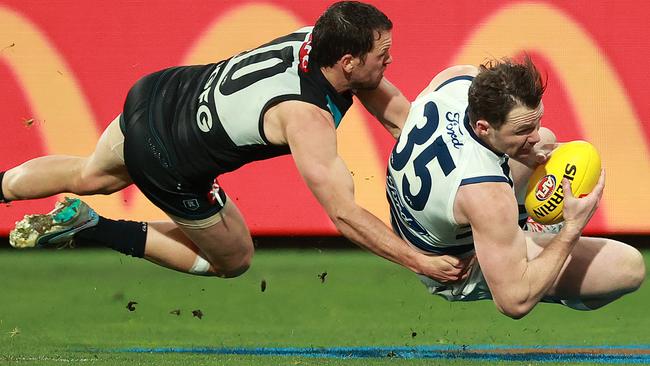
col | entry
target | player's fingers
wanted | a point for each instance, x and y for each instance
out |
(468, 261)
(544, 152)
(541, 157)
(463, 269)
(597, 193)
(453, 261)
(464, 275)
(566, 187)
(462, 263)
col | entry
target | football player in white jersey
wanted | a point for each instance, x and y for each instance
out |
(183, 126)
(471, 139)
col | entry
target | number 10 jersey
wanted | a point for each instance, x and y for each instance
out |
(209, 118)
(437, 153)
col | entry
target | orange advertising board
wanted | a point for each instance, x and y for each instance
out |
(65, 68)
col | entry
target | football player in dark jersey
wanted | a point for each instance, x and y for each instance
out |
(182, 127)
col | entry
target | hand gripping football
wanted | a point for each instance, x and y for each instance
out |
(579, 162)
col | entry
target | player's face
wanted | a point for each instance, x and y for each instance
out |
(368, 73)
(519, 133)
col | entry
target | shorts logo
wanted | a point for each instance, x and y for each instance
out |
(192, 204)
(545, 188)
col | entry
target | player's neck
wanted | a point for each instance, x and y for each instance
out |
(336, 77)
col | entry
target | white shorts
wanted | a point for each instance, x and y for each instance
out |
(475, 287)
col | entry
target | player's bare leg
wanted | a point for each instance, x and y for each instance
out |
(224, 249)
(597, 272)
(103, 172)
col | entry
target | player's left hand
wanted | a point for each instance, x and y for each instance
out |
(543, 149)
(542, 153)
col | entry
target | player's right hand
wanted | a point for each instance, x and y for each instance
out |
(446, 268)
(578, 211)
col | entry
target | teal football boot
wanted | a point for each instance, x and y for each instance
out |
(55, 229)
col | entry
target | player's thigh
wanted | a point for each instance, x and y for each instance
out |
(223, 238)
(105, 167)
(596, 267)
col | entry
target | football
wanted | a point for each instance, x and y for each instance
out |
(579, 162)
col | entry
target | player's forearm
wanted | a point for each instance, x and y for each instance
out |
(388, 105)
(539, 274)
(367, 231)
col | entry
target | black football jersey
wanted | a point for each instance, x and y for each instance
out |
(209, 117)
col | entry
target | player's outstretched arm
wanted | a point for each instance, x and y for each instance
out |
(387, 104)
(311, 136)
(517, 283)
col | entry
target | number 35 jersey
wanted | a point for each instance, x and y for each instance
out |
(437, 153)
(209, 118)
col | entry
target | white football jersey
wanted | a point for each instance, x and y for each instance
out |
(437, 153)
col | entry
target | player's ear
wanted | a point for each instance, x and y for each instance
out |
(348, 62)
(482, 127)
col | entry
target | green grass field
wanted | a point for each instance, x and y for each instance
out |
(71, 307)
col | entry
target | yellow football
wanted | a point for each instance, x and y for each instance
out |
(579, 162)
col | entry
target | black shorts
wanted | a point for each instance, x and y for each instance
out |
(150, 164)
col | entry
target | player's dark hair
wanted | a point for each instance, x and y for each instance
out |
(500, 86)
(346, 27)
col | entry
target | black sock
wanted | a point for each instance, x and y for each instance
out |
(126, 237)
(2, 195)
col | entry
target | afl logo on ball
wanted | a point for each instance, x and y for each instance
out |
(545, 188)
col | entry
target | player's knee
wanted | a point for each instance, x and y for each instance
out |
(235, 269)
(235, 266)
(634, 269)
(233, 272)
(9, 182)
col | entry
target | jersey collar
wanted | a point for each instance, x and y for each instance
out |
(337, 103)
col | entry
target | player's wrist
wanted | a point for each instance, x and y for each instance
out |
(571, 231)
(414, 261)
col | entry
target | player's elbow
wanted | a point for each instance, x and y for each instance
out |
(515, 312)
